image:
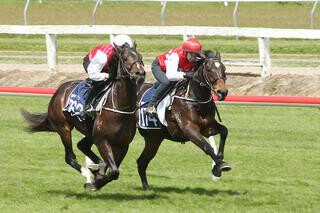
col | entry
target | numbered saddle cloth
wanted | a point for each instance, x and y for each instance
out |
(147, 121)
(76, 100)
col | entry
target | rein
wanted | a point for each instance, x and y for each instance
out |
(120, 76)
(207, 85)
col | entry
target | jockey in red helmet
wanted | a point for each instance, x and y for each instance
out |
(96, 64)
(172, 66)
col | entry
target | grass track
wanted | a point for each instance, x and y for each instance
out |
(274, 152)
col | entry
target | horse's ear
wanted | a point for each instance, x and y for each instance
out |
(135, 45)
(218, 55)
(118, 49)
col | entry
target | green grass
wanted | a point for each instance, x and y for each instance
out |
(279, 15)
(274, 152)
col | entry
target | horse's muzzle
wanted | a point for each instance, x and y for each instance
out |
(222, 94)
(140, 77)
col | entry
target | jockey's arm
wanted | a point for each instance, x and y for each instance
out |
(172, 72)
(96, 65)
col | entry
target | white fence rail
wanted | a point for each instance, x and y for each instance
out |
(262, 34)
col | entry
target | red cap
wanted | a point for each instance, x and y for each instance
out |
(191, 45)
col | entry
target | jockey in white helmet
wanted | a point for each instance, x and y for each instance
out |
(96, 64)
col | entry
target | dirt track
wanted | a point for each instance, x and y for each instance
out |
(241, 80)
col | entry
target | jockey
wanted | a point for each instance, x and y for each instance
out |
(96, 64)
(174, 65)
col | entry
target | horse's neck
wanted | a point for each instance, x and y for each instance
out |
(124, 93)
(198, 92)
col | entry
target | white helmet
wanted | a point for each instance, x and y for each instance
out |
(121, 39)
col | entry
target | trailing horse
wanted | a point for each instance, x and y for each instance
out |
(191, 116)
(111, 130)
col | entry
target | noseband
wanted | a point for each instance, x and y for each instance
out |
(207, 83)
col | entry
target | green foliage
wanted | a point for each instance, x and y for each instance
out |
(274, 152)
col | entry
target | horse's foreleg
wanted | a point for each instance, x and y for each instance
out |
(93, 162)
(213, 145)
(84, 145)
(150, 150)
(223, 136)
(192, 131)
(106, 152)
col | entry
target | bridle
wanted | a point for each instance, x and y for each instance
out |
(121, 66)
(206, 81)
(121, 75)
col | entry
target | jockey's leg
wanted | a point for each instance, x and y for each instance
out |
(94, 88)
(91, 92)
(161, 89)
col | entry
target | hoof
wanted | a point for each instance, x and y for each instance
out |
(90, 187)
(146, 188)
(216, 172)
(225, 167)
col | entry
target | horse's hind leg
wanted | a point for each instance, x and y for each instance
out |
(150, 150)
(70, 157)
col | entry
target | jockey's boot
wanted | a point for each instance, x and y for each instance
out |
(88, 103)
(161, 89)
(151, 108)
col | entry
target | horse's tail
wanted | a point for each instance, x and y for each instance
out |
(37, 122)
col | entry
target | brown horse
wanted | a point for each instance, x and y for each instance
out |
(111, 130)
(191, 117)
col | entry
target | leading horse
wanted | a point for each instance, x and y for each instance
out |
(111, 130)
(191, 117)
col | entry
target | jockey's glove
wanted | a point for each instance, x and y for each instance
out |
(106, 76)
(188, 75)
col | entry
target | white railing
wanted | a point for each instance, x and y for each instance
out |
(263, 35)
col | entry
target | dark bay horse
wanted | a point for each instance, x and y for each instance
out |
(192, 116)
(112, 129)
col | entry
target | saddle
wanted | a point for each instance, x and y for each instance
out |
(174, 86)
(100, 90)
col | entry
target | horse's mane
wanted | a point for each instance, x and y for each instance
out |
(113, 66)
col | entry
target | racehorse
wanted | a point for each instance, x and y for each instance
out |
(111, 130)
(191, 117)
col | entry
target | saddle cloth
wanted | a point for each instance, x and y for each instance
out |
(77, 98)
(147, 121)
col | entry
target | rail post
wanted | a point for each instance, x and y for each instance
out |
(51, 43)
(264, 56)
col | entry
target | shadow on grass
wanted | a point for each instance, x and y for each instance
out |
(198, 191)
(104, 196)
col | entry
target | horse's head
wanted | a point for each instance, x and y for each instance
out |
(214, 75)
(130, 64)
